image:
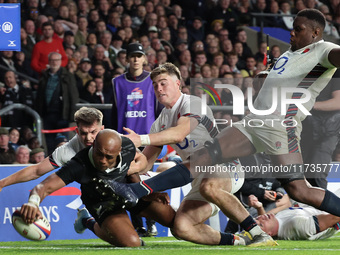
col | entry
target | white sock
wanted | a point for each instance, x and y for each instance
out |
(256, 231)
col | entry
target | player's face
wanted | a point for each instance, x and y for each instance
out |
(87, 134)
(105, 156)
(166, 89)
(302, 33)
(268, 223)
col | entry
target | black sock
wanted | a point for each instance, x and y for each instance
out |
(331, 204)
(89, 223)
(248, 223)
(227, 239)
(174, 177)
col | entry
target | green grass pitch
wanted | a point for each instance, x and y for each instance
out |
(168, 245)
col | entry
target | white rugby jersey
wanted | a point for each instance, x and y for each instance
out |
(189, 106)
(297, 223)
(64, 153)
(306, 68)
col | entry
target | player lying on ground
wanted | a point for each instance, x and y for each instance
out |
(182, 126)
(296, 223)
(307, 66)
(109, 158)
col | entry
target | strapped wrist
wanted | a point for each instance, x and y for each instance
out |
(34, 199)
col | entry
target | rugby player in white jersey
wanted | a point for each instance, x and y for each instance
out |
(89, 123)
(182, 125)
(301, 222)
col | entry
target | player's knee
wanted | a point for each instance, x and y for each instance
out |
(181, 228)
(209, 190)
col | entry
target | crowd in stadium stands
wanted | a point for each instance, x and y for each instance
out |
(88, 41)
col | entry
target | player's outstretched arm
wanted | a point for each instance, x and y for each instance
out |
(168, 136)
(27, 174)
(30, 210)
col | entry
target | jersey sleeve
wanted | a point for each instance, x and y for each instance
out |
(192, 108)
(59, 156)
(71, 171)
(324, 49)
(128, 150)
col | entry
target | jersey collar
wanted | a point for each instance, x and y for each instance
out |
(108, 170)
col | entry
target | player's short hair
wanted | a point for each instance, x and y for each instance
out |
(88, 116)
(166, 68)
(314, 15)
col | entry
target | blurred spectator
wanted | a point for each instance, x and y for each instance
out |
(262, 52)
(100, 71)
(186, 90)
(100, 28)
(69, 40)
(212, 49)
(37, 155)
(84, 68)
(215, 71)
(216, 25)
(250, 67)
(22, 155)
(14, 137)
(84, 52)
(82, 32)
(113, 22)
(238, 80)
(227, 47)
(228, 15)
(7, 153)
(33, 143)
(277, 20)
(42, 49)
(196, 30)
(91, 42)
(126, 21)
(185, 74)
(206, 71)
(121, 60)
(161, 57)
(99, 56)
(180, 46)
(26, 133)
(15, 93)
(58, 89)
(22, 65)
(30, 40)
(275, 52)
(92, 18)
(103, 8)
(298, 6)
(139, 17)
(105, 40)
(6, 60)
(200, 60)
(88, 93)
(232, 60)
(285, 8)
(83, 8)
(152, 32)
(60, 140)
(150, 21)
(238, 48)
(223, 34)
(248, 83)
(41, 20)
(51, 8)
(241, 36)
(151, 58)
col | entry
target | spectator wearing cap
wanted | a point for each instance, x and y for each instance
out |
(37, 155)
(69, 40)
(60, 140)
(153, 32)
(7, 153)
(83, 71)
(22, 155)
(180, 46)
(196, 30)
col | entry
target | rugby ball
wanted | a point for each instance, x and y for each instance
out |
(37, 231)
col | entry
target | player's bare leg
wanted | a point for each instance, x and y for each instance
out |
(164, 214)
(120, 231)
(189, 223)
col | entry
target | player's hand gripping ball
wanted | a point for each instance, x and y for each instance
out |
(37, 231)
